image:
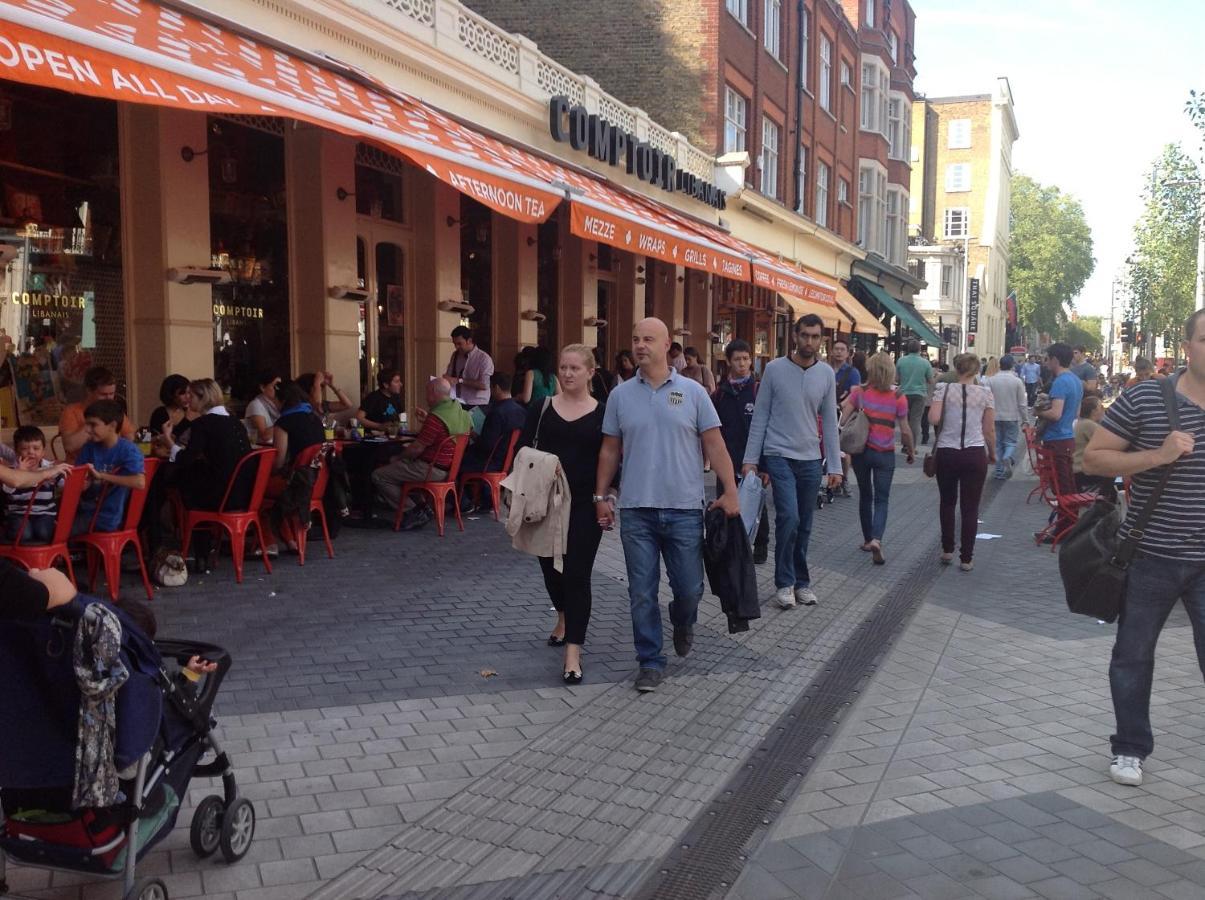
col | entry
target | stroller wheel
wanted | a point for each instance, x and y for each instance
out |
(238, 828)
(207, 826)
(148, 889)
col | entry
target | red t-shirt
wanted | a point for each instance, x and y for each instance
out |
(433, 435)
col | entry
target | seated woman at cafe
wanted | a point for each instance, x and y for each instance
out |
(384, 406)
(316, 385)
(540, 379)
(216, 443)
(264, 409)
(176, 409)
(298, 427)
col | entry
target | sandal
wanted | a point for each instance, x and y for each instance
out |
(947, 558)
(554, 641)
(876, 553)
(571, 677)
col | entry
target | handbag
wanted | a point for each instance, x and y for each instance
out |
(1092, 560)
(929, 465)
(855, 431)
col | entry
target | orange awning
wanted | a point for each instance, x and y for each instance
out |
(147, 53)
(795, 283)
(799, 307)
(860, 318)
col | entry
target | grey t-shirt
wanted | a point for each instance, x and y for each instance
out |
(1085, 371)
(660, 431)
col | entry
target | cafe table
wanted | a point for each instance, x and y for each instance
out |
(362, 457)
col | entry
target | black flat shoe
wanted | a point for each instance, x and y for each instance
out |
(554, 641)
(572, 677)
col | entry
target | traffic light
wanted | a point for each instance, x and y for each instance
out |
(1127, 332)
(971, 339)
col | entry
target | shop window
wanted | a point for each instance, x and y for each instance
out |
(548, 280)
(366, 363)
(390, 262)
(62, 309)
(477, 269)
(380, 186)
(249, 235)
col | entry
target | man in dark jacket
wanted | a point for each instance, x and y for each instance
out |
(734, 400)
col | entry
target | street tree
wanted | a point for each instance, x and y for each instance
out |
(1050, 253)
(1164, 263)
(1083, 331)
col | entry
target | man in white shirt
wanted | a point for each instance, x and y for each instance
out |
(1011, 413)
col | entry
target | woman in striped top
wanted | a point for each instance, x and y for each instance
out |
(874, 467)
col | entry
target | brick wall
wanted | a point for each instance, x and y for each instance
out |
(659, 55)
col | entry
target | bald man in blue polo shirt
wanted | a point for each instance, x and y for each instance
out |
(657, 422)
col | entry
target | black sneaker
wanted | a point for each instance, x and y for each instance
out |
(684, 638)
(648, 680)
(417, 518)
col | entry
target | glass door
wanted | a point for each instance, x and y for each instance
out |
(383, 256)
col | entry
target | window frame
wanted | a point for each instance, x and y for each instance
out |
(958, 185)
(824, 87)
(741, 11)
(873, 94)
(960, 127)
(897, 227)
(843, 192)
(807, 48)
(893, 47)
(899, 127)
(945, 287)
(772, 28)
(740, 129)
(963, 213)
(869, 14)
(770, 159)
(820, 211)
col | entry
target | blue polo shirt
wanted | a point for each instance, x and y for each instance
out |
(1070, 390)
(660, 430)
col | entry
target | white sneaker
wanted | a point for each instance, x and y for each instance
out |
(786, 598)
(806, 596)
(1126, 770)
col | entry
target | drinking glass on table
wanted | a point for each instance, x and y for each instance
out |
(391, 429)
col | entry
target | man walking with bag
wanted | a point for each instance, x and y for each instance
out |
(1140, 437)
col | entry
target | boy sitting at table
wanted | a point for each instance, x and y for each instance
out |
(115, 466)
(30, 445)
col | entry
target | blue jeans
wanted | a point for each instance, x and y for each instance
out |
(1152, 589)
(38, 529)
(1006, 443)
(796, 483)
(648, 536)
(874, 470)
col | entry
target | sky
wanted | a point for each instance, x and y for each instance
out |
(1099, 87)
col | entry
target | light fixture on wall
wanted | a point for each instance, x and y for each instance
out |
(342, 194)
(188, 154)
(457, 306)
(681, 278)
(640, 279)
(682, 332)
(347, 292)
(640, 269)
(531, 242)
(197, 275)
(532, 315)
(594, 322)
(452, 221)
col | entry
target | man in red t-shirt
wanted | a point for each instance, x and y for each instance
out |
(427, 458)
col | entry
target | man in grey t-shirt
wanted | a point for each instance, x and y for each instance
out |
(1083, 368)
(797, 392)
(657, 421)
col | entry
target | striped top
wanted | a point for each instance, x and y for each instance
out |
(1177, 528)
(43, 504)
(882, 409)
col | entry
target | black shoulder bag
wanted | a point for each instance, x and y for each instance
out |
(1092, 560)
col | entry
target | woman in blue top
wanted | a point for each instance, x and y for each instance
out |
(540, 380)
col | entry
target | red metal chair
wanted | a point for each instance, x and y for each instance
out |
(237, 523)
(1066, 507)
(108, 546)
(438, 490)
(43, 556)
(492, 480)
(300, 528)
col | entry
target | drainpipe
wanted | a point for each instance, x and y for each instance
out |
(799, 85)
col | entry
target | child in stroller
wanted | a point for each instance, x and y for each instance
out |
(163, 728)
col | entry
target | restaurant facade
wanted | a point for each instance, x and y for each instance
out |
(183, 193)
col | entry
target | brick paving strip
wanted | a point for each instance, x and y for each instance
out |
(976, 763)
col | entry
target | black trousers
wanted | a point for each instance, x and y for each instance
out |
(569, 589)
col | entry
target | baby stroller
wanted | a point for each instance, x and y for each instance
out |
(163, 729)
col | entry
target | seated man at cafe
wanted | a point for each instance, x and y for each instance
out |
(384, 406)
(487, 452)
(100, 384)
(427, 458)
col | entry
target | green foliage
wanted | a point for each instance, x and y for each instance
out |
(1083, 331)
(1164, 265)
(1050, 253)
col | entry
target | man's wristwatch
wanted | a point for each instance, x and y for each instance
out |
(599, 498)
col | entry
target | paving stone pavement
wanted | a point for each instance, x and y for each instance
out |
(975, 765)
(400, 725)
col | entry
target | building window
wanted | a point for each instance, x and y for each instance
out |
(958, 222)
(947, 281)
(843, 191)
(826, 73)
(870, 13)
(958, 177)
(959, 136)
(773, 34)
(897, 234)
(893, 47)
(899, 127)
(800, 202)
(734, 121)
(876, 82)
(846, 75)
(806, 41)
(740, 9)
(822, 195)
(872, 207)
(769, 158)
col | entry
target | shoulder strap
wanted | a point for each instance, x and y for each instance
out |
(535, 443)
(1127, 548)
(962, 438)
